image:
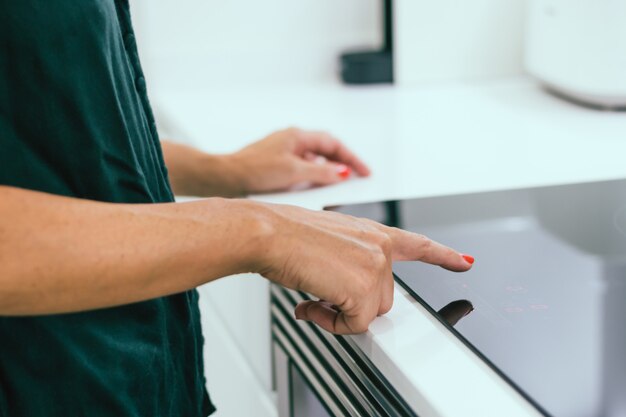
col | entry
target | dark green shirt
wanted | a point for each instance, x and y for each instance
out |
(75, 120)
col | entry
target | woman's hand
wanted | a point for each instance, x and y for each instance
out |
(136, 252)
(344, 261)
(278, 162)
(292, 156)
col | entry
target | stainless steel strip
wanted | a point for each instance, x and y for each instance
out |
(322, 387)
(378, 388)
(362, 397)
(282, 381)
(331, 363)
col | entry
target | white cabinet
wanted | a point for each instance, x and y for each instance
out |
(242, 304)
(235, 323)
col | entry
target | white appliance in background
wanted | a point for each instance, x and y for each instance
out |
(577, 48)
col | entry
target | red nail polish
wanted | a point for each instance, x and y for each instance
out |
(468, 258)
(343, 171)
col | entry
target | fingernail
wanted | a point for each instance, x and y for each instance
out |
(298, 315)
(468, 258)
(343, 171)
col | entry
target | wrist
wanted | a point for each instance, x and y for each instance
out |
(257, 227)
(234, 174)
(218, 175)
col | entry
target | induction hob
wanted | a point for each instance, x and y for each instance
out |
(548, 287)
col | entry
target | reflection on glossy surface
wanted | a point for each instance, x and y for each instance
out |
(455, 311)
(549, 287)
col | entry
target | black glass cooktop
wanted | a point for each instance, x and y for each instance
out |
(548, 287)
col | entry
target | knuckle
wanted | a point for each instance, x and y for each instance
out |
(385, 307)
(386, 243)
(292, 132)
(426, 244)
(379, 261)
(366, 286)
(330, 138)
(349, 302)
(370, 223)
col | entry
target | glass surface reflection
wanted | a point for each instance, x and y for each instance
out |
(548, 286)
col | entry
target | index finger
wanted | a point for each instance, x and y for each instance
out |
(324, 144)
(408, 246)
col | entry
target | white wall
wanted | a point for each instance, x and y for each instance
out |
(186, 42)
(458, 40)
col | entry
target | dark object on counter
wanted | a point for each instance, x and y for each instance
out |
(371, 67)
(367, 67)
(455, 311)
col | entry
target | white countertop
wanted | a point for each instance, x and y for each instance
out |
(437, 140)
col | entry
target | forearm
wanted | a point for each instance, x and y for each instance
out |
(193, 172)
(60, 254)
